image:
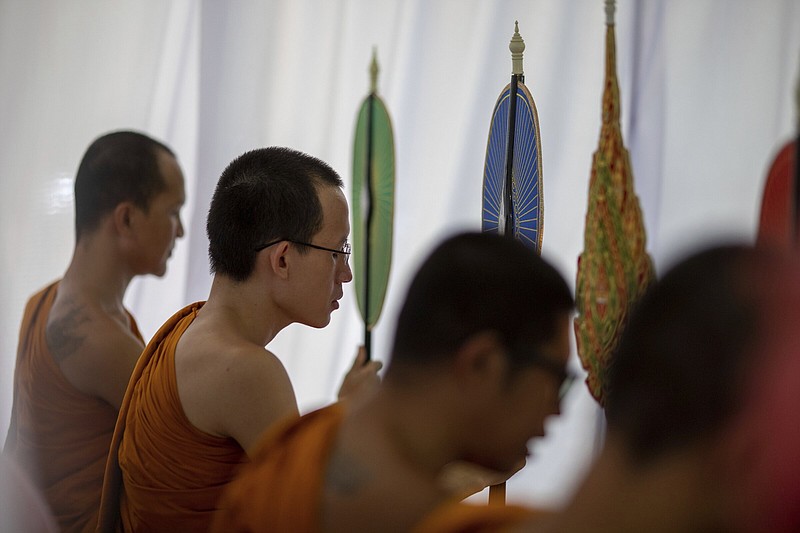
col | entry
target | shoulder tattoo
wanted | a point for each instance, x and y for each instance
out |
(63, 334)
(346, 475)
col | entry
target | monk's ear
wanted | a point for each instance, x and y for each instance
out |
(278, 259)
(481, 360)
(123, 218)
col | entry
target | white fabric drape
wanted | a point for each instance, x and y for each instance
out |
(706, 99)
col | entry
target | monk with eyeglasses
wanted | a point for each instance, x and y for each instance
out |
(206, 388)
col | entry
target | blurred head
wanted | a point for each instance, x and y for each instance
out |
(705, 379)
(494, 312)
(767, 429)
(137, 179)
(679, 374)
(118, 167)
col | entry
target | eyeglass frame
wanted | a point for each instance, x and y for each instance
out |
(566, 377)
(345, 251)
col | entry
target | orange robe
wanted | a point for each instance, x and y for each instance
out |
(58, 435)
(294, 454)
(466, 518)
(163, 474)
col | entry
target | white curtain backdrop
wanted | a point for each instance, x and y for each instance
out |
(706, 91)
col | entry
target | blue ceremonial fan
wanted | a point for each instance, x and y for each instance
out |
(512, 173)
(512, 194)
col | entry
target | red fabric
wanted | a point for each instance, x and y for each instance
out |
(775, 224)
(163, 474)
(58, 435)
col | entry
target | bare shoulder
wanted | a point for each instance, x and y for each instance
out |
(68, 327)
(243, 363)
(224, 366)
(231, 388)
(356, 493)
(235, 373)
(96, 350)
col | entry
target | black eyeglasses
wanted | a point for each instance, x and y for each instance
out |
(568, 377)
(565, 376)
(345, 250)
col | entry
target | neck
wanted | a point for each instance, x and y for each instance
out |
(97, 274)
(413, 425)
(243, 307)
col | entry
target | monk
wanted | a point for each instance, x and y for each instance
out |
(702, 414)
(78, 344)
(205, 388)
(478, 360)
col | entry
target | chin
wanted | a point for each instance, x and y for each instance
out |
(317, 324)
(500, 463)
(157, 271)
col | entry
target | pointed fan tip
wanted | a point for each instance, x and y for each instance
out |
(373, 71)
(517, 47)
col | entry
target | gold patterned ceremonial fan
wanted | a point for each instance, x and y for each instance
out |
(614, 268)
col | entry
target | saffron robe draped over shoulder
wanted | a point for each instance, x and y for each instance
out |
(163, 474)
(58, 435)
(281, 490)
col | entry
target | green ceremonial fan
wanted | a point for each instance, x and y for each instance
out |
(372, 204)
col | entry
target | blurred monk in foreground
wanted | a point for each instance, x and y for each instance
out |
(702, 405)
(478, 360)
(205, 388)
(78, 344)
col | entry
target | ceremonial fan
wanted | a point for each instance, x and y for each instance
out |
(512, 174)
(614, 268)
(373, 205)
